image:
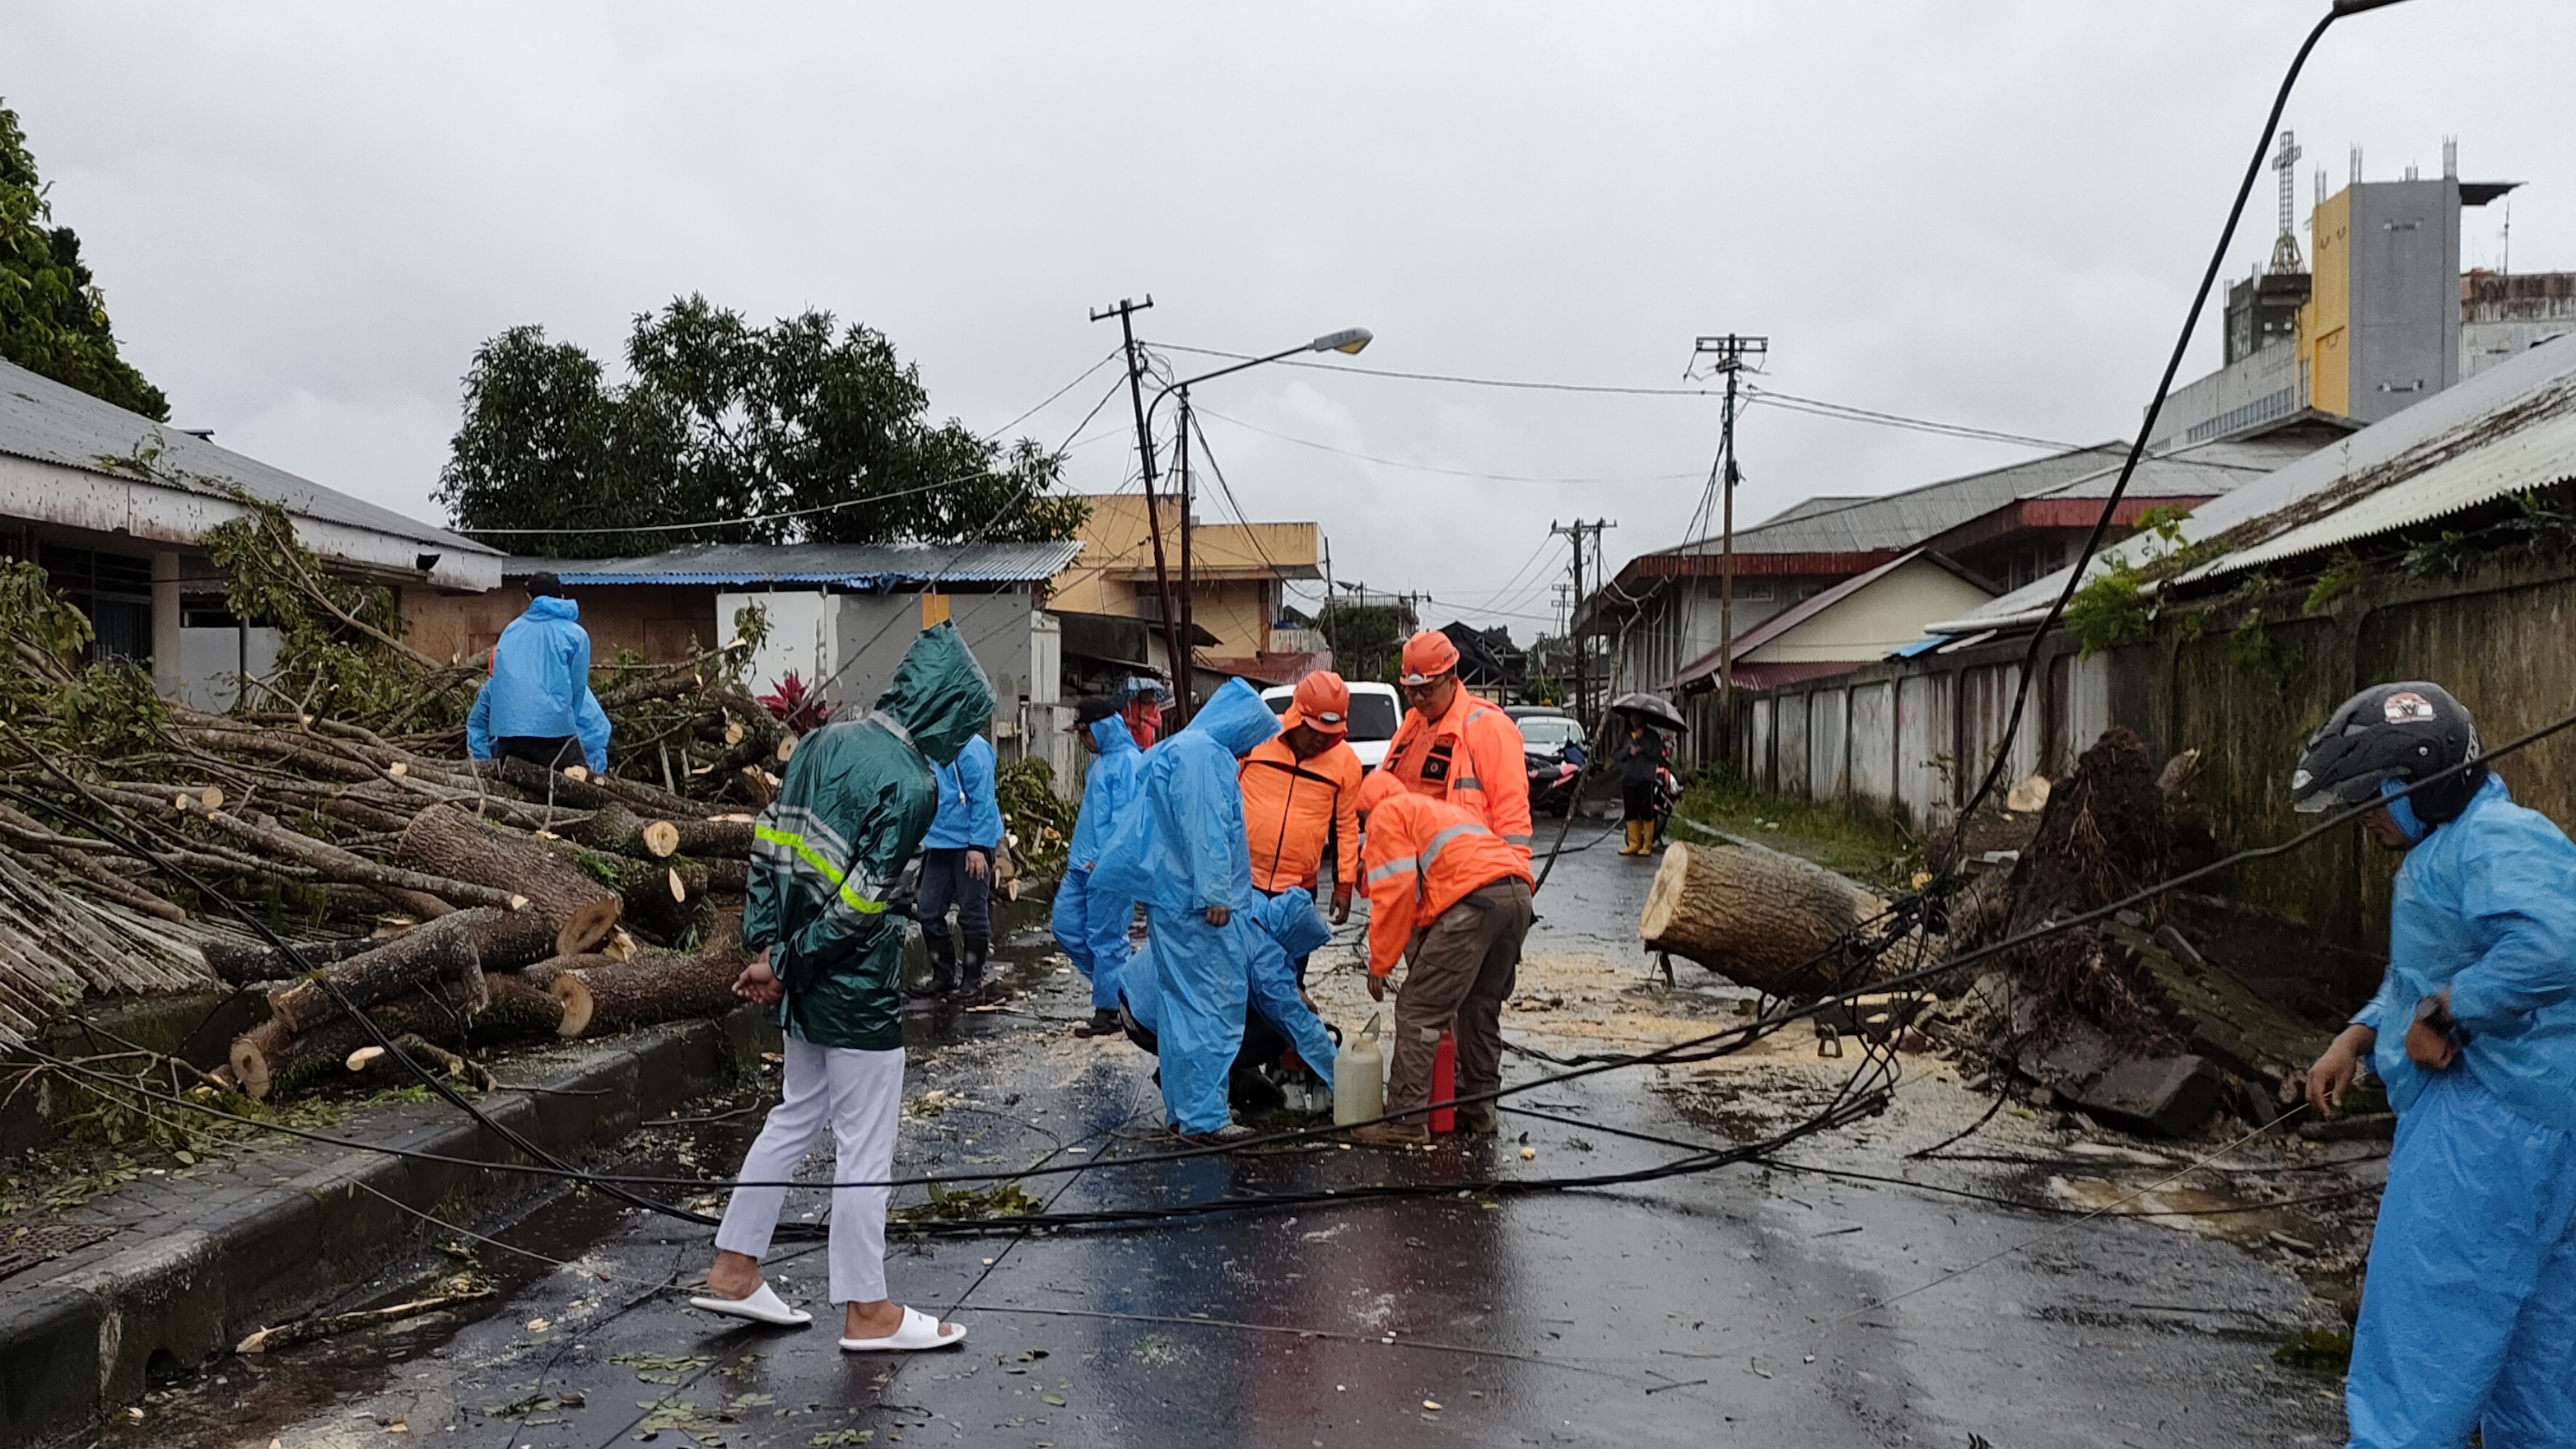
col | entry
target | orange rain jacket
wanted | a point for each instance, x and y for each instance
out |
(1472, 757)
(1290, 806)
(1422, 857)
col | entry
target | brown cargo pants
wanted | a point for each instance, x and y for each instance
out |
(1462, 972)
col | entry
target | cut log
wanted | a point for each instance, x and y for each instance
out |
(516, 1011)
(374, 1066)
(1755, 916)
(580, 910)
(272, 1061)
(621, 831)
(241, 963)
(460, 946)
(600, 995)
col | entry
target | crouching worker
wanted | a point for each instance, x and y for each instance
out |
(1180, 849)
(1274, 931)
(1091, 925)
(1449, 892)
(2468, 1312)
(858, 798)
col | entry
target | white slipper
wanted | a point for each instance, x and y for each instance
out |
(762, 1305)
(919, 1331)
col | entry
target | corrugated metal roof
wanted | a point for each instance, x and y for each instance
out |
(43, 420)
(1894, 522)
(848, 565)
(2509, 429)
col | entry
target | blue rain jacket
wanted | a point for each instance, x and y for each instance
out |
(1091, 925)
(969, 812)
(1272, 933)
(2486, 906)
(540, 685)
(1181, 849)
(2468, 1312)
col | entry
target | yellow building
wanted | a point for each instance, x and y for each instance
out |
(1238, 575)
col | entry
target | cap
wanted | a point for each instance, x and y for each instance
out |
(1090, 710)
(1427, 656)
(544, 585)
(1322, 703)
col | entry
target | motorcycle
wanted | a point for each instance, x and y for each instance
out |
(1668, 793)
(1551, 783)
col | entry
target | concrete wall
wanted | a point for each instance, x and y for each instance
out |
(2246, 698)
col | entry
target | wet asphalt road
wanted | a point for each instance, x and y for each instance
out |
(1739, 1306)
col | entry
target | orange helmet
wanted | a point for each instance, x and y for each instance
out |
(1427, 656)
(1322, 703)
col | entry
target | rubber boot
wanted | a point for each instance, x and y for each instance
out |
(943, 965)
(1632, 847)
(970, 973)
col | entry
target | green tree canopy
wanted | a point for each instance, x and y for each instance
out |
(721, 419)
(52, 318)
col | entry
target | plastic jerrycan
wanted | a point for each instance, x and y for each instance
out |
(1359, 1078)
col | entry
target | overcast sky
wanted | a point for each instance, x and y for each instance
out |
(307, 216)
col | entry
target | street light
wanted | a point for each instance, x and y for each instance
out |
(1177, 622)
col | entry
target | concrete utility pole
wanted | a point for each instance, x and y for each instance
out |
(1173, 639)
(1574, 624)
(1733, 354)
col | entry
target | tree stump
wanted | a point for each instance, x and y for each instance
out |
(581, 911)
(1757, 917)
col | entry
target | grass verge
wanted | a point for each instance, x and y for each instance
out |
(1878, 854)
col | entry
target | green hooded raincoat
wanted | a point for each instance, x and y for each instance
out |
(856, 802)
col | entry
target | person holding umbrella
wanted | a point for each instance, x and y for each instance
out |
(1643, 755)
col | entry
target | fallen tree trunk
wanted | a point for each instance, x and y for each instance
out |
(454, 946)
(600, 995)
(241, 963)
(1757, 917)
(517, 1011)
(581, 911)
(275, 1059)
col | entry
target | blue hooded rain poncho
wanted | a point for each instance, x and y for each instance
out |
(1182, 851)
(540, 685)
(2468, 1313)
(970, 810)
(1274, 931)
(857, 799)
(1091, 925)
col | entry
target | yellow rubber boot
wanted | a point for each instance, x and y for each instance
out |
(1636, 844)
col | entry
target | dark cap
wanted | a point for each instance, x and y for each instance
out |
(1091, 710)
(544, 584)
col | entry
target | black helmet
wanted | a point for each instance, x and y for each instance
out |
(2404, 731)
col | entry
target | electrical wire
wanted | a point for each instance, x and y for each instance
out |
(1434, 468)
(1844, 412)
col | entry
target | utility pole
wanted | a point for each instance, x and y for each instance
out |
(1125, 312)
(1574, 619)
(1732, 353)
(1182, 471)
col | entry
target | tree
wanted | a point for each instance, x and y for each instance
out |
(52, 319)
(720, 419)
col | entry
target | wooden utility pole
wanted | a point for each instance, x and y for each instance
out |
(1577, 530)
(1173, 638)
(1732, 353)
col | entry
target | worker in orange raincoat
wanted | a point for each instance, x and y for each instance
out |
(1301, 793)
(1449, 892)
(1455, 747)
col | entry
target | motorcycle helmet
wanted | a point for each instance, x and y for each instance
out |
(2402, 732)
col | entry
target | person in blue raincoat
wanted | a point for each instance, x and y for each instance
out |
(2468, 1309)
(1091, 925)
(1274, 931)
(957, 869)
(1181, 849)
(537, 705)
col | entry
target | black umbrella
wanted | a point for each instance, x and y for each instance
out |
(1654, 707)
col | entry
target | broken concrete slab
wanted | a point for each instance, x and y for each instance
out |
(2166, 1096)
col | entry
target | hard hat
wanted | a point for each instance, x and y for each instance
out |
(1376, 789)
(1427, 656)
(2405, 732)
(1322, 703)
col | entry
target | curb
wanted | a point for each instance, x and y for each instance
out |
(195, 1262)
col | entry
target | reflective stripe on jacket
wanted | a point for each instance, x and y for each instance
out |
(1422, 857)
(1291, 806)
(1473, 757)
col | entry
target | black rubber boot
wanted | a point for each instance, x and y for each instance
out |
(943, 965)
(970, 973)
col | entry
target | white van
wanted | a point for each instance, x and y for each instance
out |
(1376, 709)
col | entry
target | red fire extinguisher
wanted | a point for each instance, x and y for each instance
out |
(1444, 1085)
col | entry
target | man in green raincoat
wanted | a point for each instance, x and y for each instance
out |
(858, 798)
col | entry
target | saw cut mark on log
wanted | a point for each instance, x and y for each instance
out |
(601, 994)
(459, 946)
(581, 910)
(1757, 917)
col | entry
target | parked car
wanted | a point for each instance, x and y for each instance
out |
(1376, 709)
(1552, 746)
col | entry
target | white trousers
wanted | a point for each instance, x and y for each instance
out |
(860, 1094)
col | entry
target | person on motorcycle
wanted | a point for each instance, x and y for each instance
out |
(1643, 754)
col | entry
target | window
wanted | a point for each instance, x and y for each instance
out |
(113, 590)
